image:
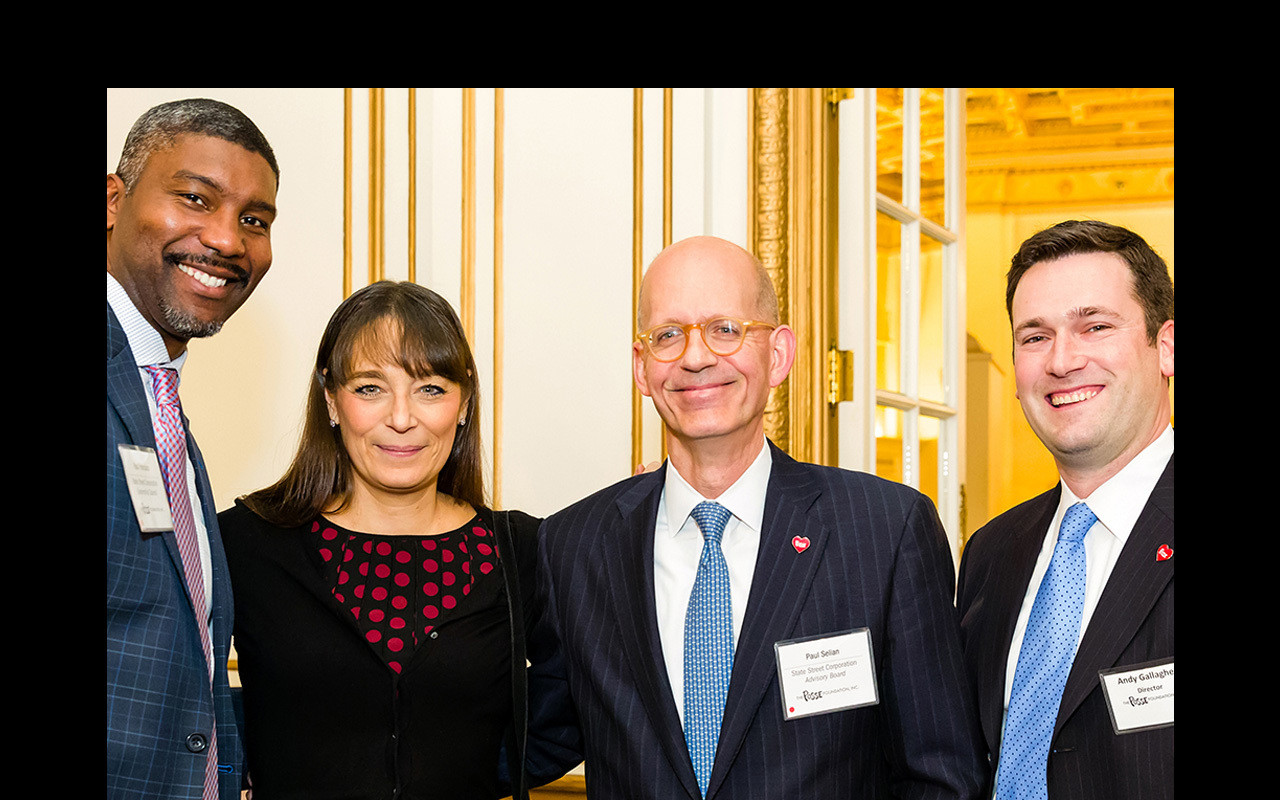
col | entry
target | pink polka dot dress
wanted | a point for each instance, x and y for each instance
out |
(399, 589)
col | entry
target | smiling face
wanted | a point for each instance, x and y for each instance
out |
(192, 238)
(710, 401)
(398, 430)
(1092, 386)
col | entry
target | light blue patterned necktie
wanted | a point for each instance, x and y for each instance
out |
(708, 644)
(1048, 649)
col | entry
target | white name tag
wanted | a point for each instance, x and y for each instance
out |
(826, 673)
(146, 488)
(1139, 697)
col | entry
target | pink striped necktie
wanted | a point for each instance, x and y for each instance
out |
(171, 445)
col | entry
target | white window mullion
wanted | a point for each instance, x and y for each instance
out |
(911, 149)
(910, 350)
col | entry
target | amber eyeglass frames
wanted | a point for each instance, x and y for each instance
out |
(723, 336)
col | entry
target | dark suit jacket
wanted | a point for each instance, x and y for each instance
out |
(324, 716)
(160, 710)
(1132, 624)
(877, 559)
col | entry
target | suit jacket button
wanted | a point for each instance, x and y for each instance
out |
(197, 743)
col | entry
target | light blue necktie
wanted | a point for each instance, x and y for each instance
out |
(1048, 649)
(708, 644)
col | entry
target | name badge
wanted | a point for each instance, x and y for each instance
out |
(146, 488)
(826, 673)
(1140, 697)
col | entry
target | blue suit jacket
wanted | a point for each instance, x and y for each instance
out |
(160, 710)
(877, 558)
(1132, 624)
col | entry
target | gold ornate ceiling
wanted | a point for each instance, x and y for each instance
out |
(1050, 147)
(1041, 147)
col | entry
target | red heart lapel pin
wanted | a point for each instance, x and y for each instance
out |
(1164, 553)
(800, 543)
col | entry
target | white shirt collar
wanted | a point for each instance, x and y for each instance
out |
(145, 341)
(744, 499)
(1113, 502)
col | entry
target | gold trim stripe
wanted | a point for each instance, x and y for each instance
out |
(468, 302)
(346, 193)
(413, 184)
(637, 238)
(667, 158)
(668, 185)
(637, 251)
(377, 183)
(498, 326)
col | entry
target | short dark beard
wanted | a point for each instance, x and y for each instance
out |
(182, 323)
(185, 325)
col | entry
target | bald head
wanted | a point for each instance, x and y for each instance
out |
(681, 265)
(713, 405)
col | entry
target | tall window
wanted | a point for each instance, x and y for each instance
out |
(901, 189)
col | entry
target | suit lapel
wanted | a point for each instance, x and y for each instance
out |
(1136, 583)
(124, 387)
(630, 575)
(779, 586)
(129, 399)
(219, 606)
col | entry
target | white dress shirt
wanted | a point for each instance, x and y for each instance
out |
(149, 350)
(1117, 505)
(677, 546)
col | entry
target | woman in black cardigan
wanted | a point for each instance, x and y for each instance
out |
(381, 607)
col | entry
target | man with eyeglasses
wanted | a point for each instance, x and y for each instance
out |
(739, 624)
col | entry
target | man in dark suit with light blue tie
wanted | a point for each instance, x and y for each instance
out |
(1066, 601)
(737, 624)
(189, 213)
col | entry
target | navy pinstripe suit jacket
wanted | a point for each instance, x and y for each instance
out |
(877, 559)
(158, 695)
(1132, 624)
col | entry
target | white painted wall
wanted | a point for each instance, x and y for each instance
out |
(567, 236)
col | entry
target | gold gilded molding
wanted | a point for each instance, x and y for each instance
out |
(637, 237)
(566, 788)
(767, 225)
(377, 184)
(791, 227)
(413, 184)
(468, 302)
(637, 254)
(668, 190)
(346, 193)
(499, 332)
(667, 183)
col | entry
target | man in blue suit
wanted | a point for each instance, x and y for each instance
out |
(737, 624)
(189, 214)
